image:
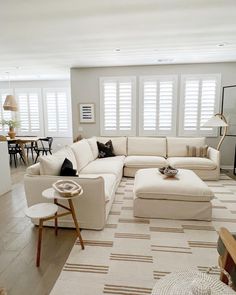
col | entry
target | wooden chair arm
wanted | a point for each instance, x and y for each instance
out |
(229, 242)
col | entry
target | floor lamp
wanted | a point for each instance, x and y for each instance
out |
(218, 120)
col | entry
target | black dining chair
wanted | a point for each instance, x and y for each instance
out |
(43, 146)
(14, 150)
(30, 147)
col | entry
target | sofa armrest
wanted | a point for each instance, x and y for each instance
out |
(90, 207)
(214, 155)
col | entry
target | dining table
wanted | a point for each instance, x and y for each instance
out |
(22, 140)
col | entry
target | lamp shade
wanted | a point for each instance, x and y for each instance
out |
(10, 103)
(215, 121)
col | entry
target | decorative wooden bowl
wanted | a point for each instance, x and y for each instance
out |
(67, 188)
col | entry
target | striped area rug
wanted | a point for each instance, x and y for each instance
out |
(130, 254)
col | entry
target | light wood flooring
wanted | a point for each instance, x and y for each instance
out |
(18, 237)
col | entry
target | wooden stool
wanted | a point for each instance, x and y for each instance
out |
(43, 212)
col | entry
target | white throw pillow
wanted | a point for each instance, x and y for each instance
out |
(69, 154)
(83, 153)
(51, 164)
(94, 147)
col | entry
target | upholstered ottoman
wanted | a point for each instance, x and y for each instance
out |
(184, 197)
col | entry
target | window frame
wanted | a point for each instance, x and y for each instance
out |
(117, 80)
(207, 133)
(158, 79)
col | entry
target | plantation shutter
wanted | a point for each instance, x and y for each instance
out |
(158, 99)
(199, 102)
(29, 111)
(57, 110)
(4, 115)
(117, 106)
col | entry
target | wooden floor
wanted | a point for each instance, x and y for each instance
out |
(18, 273)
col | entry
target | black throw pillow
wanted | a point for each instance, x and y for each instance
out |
(67, 169)
(105, 150)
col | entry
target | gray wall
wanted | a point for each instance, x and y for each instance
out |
(85, 89)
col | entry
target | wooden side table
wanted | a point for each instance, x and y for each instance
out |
(51, 194)
(48, 211)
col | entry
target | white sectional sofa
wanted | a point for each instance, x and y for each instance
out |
(101, 177)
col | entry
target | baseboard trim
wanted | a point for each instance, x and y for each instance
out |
(227, 167)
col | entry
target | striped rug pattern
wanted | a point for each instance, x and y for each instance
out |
(131, 254)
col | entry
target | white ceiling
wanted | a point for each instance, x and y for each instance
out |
(44, 39)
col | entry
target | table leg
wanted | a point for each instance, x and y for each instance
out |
(76, 223)
(40, 231)
(23, 152)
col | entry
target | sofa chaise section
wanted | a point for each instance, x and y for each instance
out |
(206, 168)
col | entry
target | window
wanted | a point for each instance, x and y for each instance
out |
(117, 106)
(29, 112)
(4, 115)
(199, 101)
(158, 100)
(57, 113)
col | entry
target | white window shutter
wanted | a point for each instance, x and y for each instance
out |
(199, 101)
(166, 104)
(110, 106)
(57, 113)
(158, 101)
(117, 106)
(29, 111)
(149, 105)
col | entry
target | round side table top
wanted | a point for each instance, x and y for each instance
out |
(51, 194)
(41, 210)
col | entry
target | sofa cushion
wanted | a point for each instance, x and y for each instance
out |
(145, 161)
(112, 165)
(177, 146)
(83, 153)
(119, 144)
(151, 184)
(51, 164)
(146, 146)
(93, 145)
(109, 183)
(192, 163)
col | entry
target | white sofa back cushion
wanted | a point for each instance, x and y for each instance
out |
(146, 146)
(83, 153)
(119, 144)
(177, 146)
(51, 165)
(93, 145)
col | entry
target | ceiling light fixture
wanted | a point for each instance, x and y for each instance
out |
(165, 60)
(222, 44)
(117, 49)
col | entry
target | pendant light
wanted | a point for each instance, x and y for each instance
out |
(10, 101)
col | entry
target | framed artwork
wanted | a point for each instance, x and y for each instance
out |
(228, 108)
(87, 112)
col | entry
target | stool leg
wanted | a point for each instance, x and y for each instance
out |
(56, 224)
(40, 231)
(76, 223)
